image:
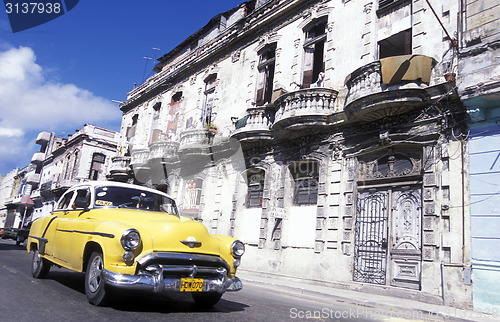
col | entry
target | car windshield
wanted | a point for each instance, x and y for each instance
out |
(124, 197)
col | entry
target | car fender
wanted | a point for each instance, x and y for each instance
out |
(107, 236)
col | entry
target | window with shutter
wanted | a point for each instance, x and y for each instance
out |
(314, 52)
(265, 79)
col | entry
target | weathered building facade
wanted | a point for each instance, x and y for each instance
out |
(32, 192)
(16, 204)
(63, 162)
(479, 88)
(6, 191)
(351, 168)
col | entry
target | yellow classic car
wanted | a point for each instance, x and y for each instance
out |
(126, 236)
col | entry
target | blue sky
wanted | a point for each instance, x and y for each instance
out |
(65, 73)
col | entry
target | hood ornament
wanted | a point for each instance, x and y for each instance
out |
(191, 242)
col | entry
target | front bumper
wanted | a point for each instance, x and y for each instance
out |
(155, 282)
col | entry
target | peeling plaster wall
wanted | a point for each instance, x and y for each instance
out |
(318, 242)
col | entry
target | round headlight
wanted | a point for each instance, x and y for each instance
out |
(238, 248)
(131, 239)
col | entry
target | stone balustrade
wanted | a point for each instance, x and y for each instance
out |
(164, 150)
(195, 138)
(388, 79)
(139, 159)
(304, 108)
(255, 125)
(363, 81)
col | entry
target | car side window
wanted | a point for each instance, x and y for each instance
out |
(82, 197)
(65, 201)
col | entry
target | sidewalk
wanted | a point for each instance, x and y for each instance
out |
(403, 308)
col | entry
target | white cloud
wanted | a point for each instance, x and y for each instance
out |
(29, 103)
(10, 132)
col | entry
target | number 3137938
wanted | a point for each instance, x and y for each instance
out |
(32, 7)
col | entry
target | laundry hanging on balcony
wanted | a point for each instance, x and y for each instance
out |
(396, 69)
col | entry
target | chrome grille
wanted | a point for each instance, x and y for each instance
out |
(178, 265)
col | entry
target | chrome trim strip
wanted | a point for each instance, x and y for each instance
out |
(191, 244)
(87, 233)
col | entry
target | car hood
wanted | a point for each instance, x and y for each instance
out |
(160, 232)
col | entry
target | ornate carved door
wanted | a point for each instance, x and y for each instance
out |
(388, 236)
(405, 248)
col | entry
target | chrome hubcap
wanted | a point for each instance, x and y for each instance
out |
(36, 260)
(95, 272)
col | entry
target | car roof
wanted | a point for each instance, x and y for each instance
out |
(94, 184)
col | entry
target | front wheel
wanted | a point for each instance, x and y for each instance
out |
(95, 287)
(206, 299)
(39, 266)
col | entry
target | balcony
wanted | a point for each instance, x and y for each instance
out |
(64, 184)
(255, 126)
(46, 186)
(139, 159)
(391, 86)
(304, 109)
(195, 142)
(33, 178)
(38, 158)
(119, 169)
(164, 151)
(20, 199)
(43, 138)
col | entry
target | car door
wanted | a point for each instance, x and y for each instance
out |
(52, 248)
(71, 231)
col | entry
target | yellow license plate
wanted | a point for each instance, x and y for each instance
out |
(192, 284)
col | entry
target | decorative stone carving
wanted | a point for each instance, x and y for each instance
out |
(235, 56)
(368, 8)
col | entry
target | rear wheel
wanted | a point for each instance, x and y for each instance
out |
(95, 287)
(39, 266)
(206, 299)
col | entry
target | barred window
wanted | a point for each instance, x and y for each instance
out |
(255, 187)
(306, 176)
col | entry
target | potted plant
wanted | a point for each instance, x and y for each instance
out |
(211, 127)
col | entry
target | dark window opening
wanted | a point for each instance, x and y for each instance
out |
(255, 193)
(266, 69)
(97, 165)
(157, 107)
(396, 45)
(384, 5)
(67, 172)
(131, 129)
(209, 93)
(306, 177)
(176, 97)
(314, 53)
(155, 126)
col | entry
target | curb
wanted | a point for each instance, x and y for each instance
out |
(431, 312)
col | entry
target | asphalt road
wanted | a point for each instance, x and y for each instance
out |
(61, 297)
